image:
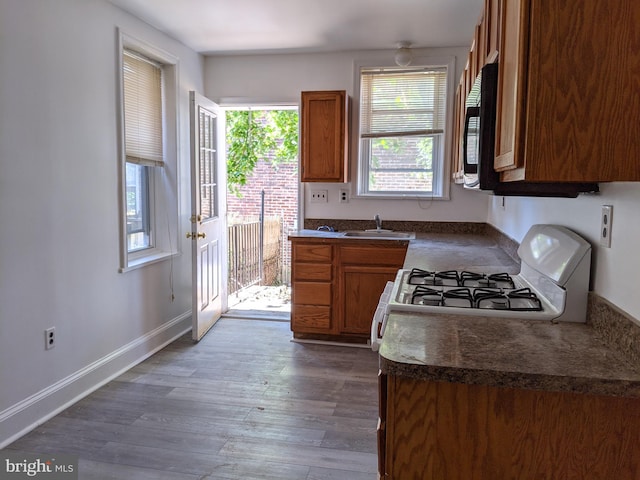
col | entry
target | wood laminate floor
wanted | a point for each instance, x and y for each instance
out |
(244, 403)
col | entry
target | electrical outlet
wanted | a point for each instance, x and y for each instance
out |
(344, 195)
(605, 225)
(319, 196)
(49, 338)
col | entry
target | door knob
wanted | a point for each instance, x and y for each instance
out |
(196, 235)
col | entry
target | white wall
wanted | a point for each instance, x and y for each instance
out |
(614, 270)
(59, 209)
(281, 78)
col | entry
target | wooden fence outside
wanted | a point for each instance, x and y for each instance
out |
(246, 267)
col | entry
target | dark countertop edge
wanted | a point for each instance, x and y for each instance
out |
(506, 243)
(340, 237)
(503, 379)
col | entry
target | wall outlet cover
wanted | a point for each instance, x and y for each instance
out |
(49, 338)
(606, 218)
(319, 196)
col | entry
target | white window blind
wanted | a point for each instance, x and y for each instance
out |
(142, 110)
(401, 102)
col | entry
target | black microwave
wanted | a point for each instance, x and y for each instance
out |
(478, 140)
(478, 147)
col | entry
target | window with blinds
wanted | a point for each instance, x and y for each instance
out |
(142, 109)
(402, 126)
(143, 119)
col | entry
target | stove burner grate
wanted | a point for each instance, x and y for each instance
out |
(531, 301)
(521, 300)
(458, 297)
(423, 295)
(418, 276)
(503, 280)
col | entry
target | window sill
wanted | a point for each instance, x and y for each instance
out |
(400, 196)
(149, 258)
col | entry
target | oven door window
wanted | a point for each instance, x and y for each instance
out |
(471, 140)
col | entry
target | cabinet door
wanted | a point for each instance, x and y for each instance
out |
(363, 272)
(476, 56)
(456, 158)
(362, 287)
(458, 432)
(581, 121)
(324, 136)
(511, 84)
(492, 29)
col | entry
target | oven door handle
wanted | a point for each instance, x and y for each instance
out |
(380, 316)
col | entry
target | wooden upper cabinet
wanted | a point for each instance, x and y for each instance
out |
(456, 158)
(511, 83)
(484, 49)
(491, 30)
(568, 91)
(324, 136)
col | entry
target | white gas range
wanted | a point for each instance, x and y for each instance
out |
(552, 285)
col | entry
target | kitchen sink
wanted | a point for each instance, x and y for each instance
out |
(381, 234)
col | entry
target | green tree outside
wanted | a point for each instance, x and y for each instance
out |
(256, 134)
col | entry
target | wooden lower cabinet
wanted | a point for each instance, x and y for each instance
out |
(363, 272)
(360, 294)
(336, 286)
(381, 430)
(312, 287)
(447, 431)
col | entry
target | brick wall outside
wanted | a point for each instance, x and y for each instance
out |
(280, 184)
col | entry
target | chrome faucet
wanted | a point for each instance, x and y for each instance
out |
(378, 222)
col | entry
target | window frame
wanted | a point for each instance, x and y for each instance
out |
(441, 169)
(162, 178)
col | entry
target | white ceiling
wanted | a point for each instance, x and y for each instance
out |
(219, 27)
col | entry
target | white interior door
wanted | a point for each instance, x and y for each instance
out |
(208, 221)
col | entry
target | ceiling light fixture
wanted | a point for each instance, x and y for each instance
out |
(403, 55)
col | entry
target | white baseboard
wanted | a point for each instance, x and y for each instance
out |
(24, 416)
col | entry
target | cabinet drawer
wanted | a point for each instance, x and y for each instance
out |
(311, 253)
(391, 256)
(311, 293)
(312, 271)
(309, 317)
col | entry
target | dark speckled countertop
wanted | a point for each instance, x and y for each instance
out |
(499, 352)
(448, 251)
(505, 353)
